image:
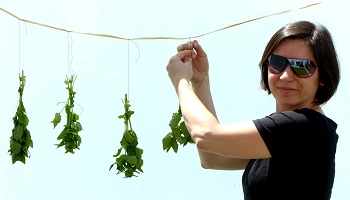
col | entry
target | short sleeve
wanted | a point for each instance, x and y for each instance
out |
(291, 133)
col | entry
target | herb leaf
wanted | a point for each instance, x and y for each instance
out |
(69, 136)
(21, 140)
(179, 134)
(56, 120)
(130, 162)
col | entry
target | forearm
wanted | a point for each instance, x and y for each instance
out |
(202, 91)
(196, 115)
(197, 109)
(211, 160)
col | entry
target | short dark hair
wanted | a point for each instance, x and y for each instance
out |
(321, 44)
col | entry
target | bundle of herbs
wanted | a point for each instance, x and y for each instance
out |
(179, 134)
(20, 141)
(69, 136)
(130, 161)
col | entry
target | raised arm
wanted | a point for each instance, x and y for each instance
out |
(219, 147)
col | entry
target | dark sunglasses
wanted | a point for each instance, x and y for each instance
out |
(303, 68)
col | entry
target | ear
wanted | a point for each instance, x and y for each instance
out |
(321, 83)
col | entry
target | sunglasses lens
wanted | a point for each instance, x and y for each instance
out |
(276, 64)
(303, 68)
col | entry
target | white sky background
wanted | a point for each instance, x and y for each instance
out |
(101, 66)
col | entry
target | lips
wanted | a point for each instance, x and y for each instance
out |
(286, 89)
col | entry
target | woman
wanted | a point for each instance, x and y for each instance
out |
(289, 154)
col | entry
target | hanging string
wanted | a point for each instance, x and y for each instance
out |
(19, 44)
(138, 49)
(139, 55)
(68, 62)
(159, 37)
(19, 58)
(19, 47)
(129, 69)
(25, 26)
(70, 53)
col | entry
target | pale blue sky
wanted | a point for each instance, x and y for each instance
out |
(101, 66)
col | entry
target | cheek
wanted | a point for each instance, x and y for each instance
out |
(271, 79)
(310, 86)
(316, 81)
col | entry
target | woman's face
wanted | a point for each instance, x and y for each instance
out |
(290, 91)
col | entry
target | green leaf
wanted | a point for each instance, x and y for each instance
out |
(56, 120)
(79, 127)
(17, 132)
(29, 141)
(177, 135)
(62, 135)
(21, 107)
(139, 153)
(111, 166)
(174, 145)
(139, 165)
(186, 134)
(130, 137)
(175, 120)
(78, 140)
(167, 141)
(75, 117)
(22, 118)
(129, 173)
(18, 157)
(121, 160)
(118, 153)
(183, 129)
(131, 160)
(15, 147)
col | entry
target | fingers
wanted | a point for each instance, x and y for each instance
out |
(193, 45)
(184, 56)
(186, 46)
(180, 66)
(198, 48)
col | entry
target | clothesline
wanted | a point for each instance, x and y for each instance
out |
(156, 37)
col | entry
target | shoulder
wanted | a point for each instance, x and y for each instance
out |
(297, 128)
(295, 118)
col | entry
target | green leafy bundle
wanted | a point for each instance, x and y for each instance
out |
(130, 162)
(178, 135)
(69, 136)
(20, 141)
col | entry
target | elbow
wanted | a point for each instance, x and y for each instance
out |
(203, 146)
(201, 139)
(204, 166)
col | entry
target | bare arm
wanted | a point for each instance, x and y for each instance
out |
(219, 147)
(211, 160)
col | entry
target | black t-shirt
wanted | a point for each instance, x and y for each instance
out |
(302, 144)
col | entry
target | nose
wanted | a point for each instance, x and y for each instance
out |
(287, 74)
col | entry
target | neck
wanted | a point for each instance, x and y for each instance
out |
(313, 106)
